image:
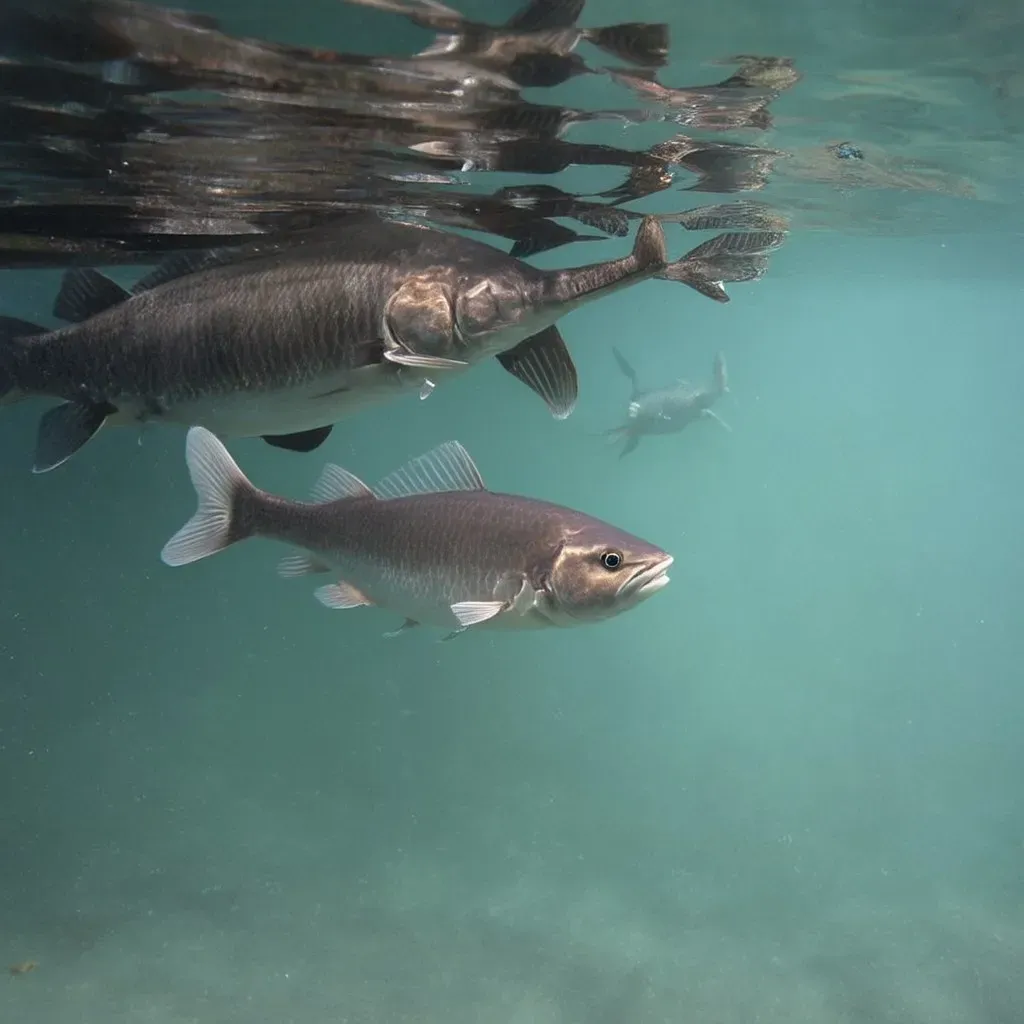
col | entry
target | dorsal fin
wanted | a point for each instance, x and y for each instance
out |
(180, 264)
(336, 483)
(84, 292)
(448, 467)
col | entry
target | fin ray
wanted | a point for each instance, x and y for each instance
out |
(66, 428)
(84, 293)
(472, 613)
(292, 566)
(336, 483)
(341, 595)
(448, 467)
(219, 483)
(543, 363)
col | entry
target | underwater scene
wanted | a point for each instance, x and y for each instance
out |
(512, 512)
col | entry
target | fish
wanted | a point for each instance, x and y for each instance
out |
(530, 44)
(760, 72)
(284, 344)
(667, 410)
(140, 47)
(715, 107)
(719, 166)
(428, 542)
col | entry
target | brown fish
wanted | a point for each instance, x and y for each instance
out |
(429, 542)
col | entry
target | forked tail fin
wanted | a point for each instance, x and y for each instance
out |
(222, 490)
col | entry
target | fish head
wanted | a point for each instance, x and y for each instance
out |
(600, 571)
(495, 311)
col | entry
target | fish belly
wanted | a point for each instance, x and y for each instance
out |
(426, 596)
(287, 410)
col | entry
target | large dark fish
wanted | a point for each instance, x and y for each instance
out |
(429, 542)
(283, 344)
(670, 409)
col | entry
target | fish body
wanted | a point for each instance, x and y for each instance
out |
(284, 343)
(429, 542)
(667, 410)
(543, 28)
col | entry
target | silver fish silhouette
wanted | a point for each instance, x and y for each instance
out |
(668, 410)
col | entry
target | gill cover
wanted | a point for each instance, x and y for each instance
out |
(418, 326)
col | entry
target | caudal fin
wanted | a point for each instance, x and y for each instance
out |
(724, 258)
(221, 488)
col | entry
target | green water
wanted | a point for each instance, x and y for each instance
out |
(787, 790)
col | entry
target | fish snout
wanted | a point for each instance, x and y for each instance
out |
(648, 580)
(486, 307)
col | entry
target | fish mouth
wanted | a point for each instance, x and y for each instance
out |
(650, 580)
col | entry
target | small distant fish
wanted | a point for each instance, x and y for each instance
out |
(668, 410)
(24, 967)
(429, 542)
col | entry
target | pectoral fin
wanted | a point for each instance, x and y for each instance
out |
(543, 363)
(471, 613)
(513, 594)
(66, 428)
(718, 419)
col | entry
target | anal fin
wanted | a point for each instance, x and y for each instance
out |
(302, 441)
(543, 363)
(66, 428)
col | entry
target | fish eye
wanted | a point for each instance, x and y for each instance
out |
(611, 560)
